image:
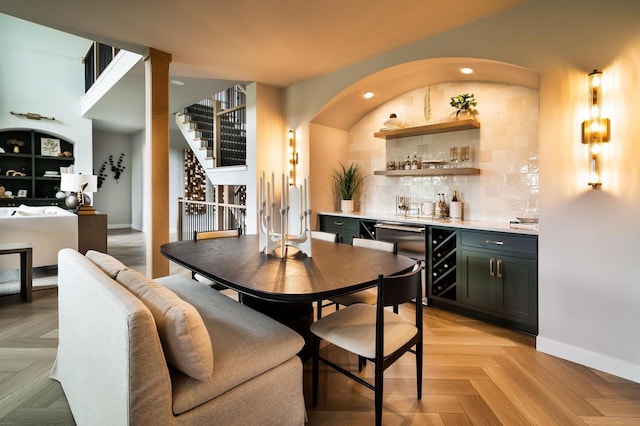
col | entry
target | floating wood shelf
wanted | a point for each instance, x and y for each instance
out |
(429, 172)
(450, 126)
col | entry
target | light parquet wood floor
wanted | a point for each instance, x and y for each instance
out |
(474, 373)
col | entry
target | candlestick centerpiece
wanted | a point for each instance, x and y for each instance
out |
(276, 243)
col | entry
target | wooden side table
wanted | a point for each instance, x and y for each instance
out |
(25, 250)
(92, 232)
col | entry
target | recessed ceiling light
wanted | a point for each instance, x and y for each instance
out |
(466, 70)
(177, 82)
(368, 95)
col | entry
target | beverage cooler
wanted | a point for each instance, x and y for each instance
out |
(411, 240)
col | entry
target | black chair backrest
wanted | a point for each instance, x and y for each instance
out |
(398, 289)
(203, 235)
(391, 247)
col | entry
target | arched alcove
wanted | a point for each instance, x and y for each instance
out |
(333, 138)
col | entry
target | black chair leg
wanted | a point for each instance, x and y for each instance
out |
(419, 369)
(361, 363)
(378, 393)
(315, 344)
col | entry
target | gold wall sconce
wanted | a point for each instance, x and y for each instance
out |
(596, 130)
(293, 158)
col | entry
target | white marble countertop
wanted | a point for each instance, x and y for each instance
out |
(423, 220)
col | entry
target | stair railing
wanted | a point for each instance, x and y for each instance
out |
(208, 216)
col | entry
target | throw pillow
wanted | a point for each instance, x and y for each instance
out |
(184, 337)
(108, 264)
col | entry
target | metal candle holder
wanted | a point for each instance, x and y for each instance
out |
(275, 243)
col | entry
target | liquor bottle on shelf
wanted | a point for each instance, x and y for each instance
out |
(415, 164)
(455, 196)
(407, 163)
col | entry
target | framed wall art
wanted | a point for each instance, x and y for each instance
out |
(49, 147)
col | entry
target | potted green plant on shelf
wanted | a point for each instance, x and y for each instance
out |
(463, 104)
(346, 181)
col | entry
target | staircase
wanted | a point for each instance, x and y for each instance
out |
(215, 130)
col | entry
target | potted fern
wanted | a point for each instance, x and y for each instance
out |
(346, 181)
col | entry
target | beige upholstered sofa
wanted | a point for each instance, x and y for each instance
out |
(126, 359)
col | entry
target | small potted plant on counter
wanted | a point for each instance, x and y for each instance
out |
(463, 105)
(346, 182)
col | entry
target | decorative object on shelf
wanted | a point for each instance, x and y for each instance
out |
(346, 182)
(393, 123)
(427, 105)
(596, 129)
(67, 169)
(463, 104)
(22, 193)
(102, 175)
(274, 243)
(33, 116)
(77, 185)
(16, 145)
(65, 154)
(2, 151)
(117, 168)
(2, 192)
(59, 193)
(49, 147)
(12, 172)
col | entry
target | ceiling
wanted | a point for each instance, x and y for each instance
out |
(217, 42)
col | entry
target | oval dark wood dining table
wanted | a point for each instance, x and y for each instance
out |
(333, 269)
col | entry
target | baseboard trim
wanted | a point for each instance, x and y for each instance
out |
(596, 360)
(119, 226)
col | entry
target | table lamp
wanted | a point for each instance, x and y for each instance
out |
(77, 185)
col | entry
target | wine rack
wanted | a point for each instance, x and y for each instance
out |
(443, 259)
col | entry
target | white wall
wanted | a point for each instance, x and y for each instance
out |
(137, 174)
(41, 72)
(177, 145)
(114, 197)
(589, 241)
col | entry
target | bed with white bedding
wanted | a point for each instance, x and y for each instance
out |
(49, 229)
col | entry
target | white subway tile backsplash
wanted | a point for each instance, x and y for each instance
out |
(504, 149)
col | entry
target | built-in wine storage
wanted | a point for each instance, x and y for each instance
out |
(442, 262)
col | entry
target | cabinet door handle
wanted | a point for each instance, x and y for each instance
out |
(499, 268)
(498, 243)
(337, 223)
(491, 273)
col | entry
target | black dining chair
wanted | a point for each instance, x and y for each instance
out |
(325, 236)
(374, 333)
(330, 237)
(370, 295)
(205, 235)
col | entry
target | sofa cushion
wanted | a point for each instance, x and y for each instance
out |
(185, 339)
(247, 343)
(109, 265)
